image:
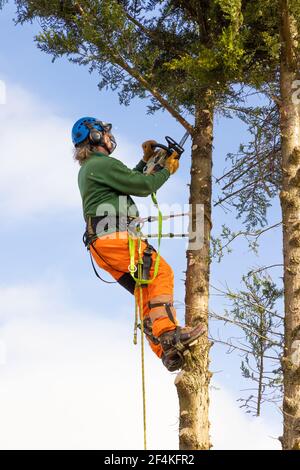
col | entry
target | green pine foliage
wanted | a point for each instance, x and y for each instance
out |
(177, 47)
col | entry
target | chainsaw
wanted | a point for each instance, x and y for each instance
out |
(158, 161)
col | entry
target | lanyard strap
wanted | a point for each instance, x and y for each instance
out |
(132, 249)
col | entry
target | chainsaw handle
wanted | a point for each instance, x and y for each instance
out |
(170, 141)
(161, 146)
(172, 147)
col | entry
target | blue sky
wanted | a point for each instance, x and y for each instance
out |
(42, 256)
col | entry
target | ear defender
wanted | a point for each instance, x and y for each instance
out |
(93, 130)
(95, 136)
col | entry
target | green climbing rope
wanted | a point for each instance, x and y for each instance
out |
(133, 268)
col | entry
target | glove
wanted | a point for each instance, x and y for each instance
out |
(172, 163)
(148, 149)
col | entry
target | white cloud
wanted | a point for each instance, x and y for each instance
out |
(37, 170)
(38, 173)
(72, 380)
(233, 429)
(2, 92)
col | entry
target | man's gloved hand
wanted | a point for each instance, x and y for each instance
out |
(148, 149)
(172, 163)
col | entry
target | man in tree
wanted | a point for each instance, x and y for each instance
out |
(106, 186)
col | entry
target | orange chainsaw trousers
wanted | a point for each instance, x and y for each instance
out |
(111, 253)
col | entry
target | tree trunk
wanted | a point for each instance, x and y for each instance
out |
(290, 203)
(193, 382)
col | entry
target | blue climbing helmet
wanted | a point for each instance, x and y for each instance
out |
(92, 128)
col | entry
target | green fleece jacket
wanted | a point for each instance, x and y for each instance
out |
(103, 179)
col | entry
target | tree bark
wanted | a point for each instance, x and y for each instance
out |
(193, 382)
(290, 203)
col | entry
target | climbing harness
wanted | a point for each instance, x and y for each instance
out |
(158, 161)
(140, 273)
(138, 277)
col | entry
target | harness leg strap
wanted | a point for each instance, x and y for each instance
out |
(147, 263)
(167, 306)
(148, 331)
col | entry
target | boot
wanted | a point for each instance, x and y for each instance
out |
(175, 342)
(173, 360)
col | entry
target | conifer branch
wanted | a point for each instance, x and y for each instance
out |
(133, 72)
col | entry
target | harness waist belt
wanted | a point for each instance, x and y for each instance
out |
(103, 223)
